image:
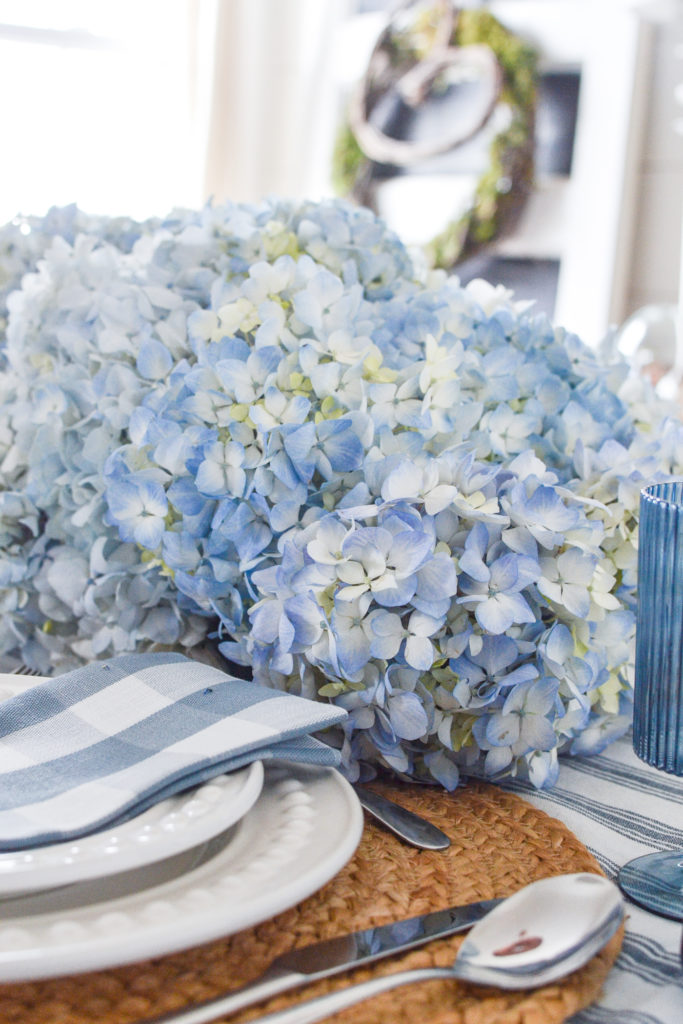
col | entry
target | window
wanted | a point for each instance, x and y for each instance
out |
(99, 106)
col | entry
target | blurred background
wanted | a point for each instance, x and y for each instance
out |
(134, 108)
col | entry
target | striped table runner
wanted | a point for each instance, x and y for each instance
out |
(620, 808)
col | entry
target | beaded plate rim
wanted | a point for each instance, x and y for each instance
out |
(304, 827)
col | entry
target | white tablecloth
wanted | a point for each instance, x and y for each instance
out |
(620, 808)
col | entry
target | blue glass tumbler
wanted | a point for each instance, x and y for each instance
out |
(658, 694)
(655, 881)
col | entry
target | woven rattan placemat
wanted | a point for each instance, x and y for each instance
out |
(499, 843)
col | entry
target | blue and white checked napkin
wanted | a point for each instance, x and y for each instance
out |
(87, 748)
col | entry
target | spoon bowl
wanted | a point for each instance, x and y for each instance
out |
(542, 933)
(409, 827)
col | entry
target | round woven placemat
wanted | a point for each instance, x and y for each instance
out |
(499, 843)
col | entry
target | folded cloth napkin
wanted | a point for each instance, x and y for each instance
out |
(103, 742)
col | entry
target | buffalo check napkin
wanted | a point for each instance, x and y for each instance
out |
(104, 742)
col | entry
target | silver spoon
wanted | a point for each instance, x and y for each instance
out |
(540, 934)
(405, 824)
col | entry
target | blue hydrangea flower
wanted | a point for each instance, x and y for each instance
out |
(268, 425)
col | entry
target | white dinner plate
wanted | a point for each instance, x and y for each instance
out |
(301, 831)
(181, 822)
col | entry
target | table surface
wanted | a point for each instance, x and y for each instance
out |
(621, 808)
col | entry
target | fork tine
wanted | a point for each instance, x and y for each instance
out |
(24, 670)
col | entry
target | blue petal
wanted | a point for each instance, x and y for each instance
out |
(180, 551)
(398, 593)
(408, 716)
(154, 360)
(353, 649)
(123, 500)
(499, 613)
(305, 616)
(442, 769)
(211, 481)
(503, 730)
(342, 445)
(283, 468)
(410, 551)
(298, 443)
(538, 733)
(284, 515)
(265, 621)
(419, 652)
(437, 579)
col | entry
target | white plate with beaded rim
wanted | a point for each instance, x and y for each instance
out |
(178, 823)
(301, 831)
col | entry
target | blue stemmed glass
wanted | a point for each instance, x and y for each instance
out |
(656, 881)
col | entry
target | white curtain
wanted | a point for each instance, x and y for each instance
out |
(266, 95)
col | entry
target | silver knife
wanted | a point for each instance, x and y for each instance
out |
(332, 956)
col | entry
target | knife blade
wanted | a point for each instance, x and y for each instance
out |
(332, 956)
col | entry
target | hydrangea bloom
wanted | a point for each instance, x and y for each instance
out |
(270, 424)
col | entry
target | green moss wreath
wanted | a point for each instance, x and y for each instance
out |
(418, 45)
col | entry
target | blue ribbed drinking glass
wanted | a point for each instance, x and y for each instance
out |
(655, 880)
(658, 696)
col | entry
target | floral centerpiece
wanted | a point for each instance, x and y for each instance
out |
(271, 424)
